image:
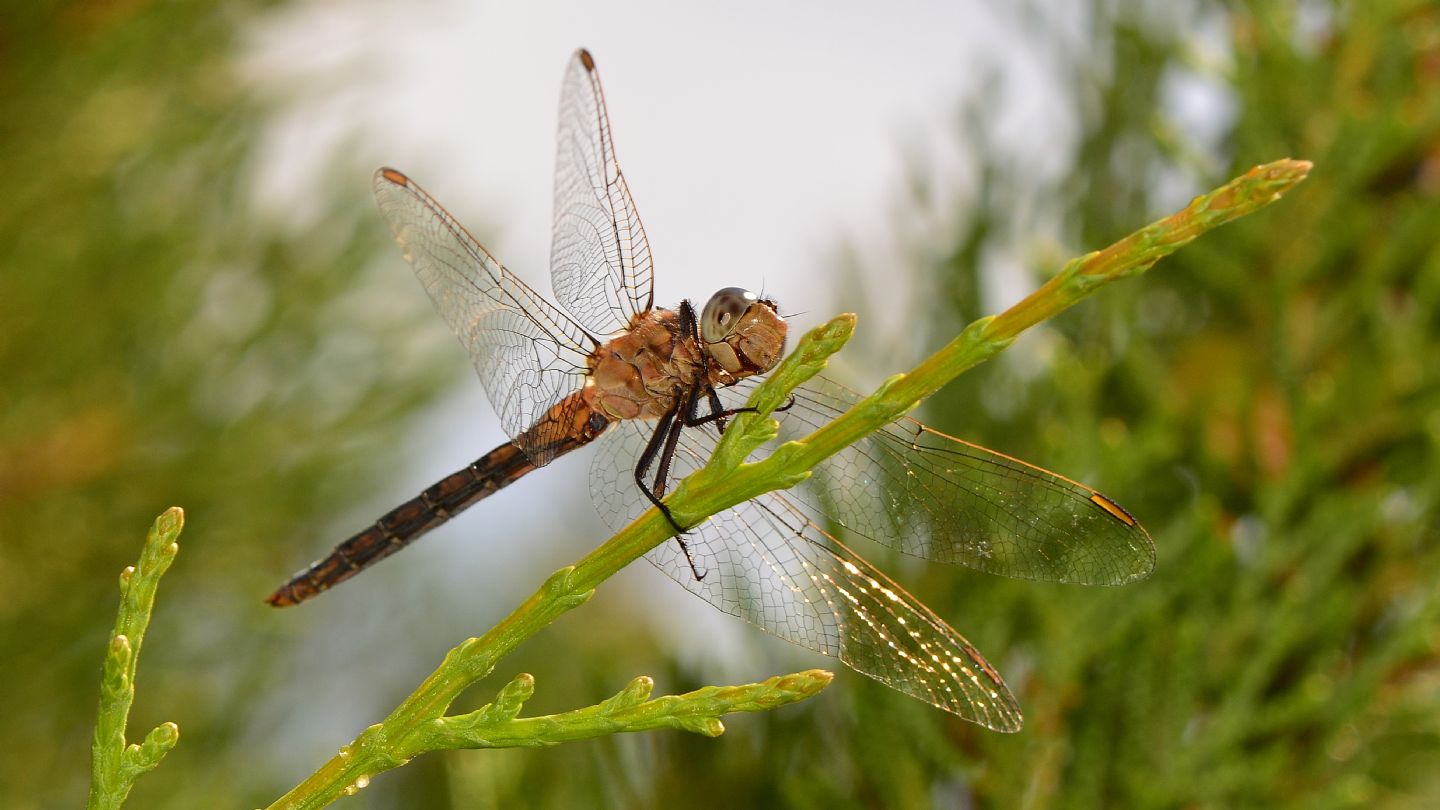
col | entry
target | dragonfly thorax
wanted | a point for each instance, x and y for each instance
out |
(639, 373)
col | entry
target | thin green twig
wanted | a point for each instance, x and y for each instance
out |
(632, 709)
(115, 765)
(726, 480)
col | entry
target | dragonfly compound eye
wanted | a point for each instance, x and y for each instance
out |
(723, 311)
(742, 332)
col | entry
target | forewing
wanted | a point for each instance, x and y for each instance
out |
(765, 562)
(528, 353)
(915, 489)
(599, 258)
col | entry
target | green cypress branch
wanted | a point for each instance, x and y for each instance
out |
(419, 723)
(115, 765)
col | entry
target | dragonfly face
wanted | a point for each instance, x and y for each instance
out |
(655, 396)
(743, 332)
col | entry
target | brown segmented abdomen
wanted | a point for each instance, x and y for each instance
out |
(443, 500)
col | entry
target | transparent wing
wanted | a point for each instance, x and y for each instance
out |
(765, 562)
(599, 258)
(940, 498)
(529, 354)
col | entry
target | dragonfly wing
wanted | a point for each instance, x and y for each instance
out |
(529, 354)
(599, 258)
(934, 496)
(767, 563)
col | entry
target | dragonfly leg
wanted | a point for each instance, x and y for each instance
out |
(647, 458)
(719, 415)
(713, 399)
(661, 447)
(662, 478)
(690, 325)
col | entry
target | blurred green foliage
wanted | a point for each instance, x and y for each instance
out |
(1267, 402)
(161, 343)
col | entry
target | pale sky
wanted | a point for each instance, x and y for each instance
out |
(756, 136)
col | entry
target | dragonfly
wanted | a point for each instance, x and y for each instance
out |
(653, 388)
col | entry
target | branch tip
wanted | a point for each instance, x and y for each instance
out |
(114, 765)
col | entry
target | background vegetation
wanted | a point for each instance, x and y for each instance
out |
(1267, 403)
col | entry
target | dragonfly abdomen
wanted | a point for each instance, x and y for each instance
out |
(568, 425)
(405, 523)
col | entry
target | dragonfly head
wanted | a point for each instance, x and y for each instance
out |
(742, 332)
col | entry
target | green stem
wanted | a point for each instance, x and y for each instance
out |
(496, 725)
(114, 765)
(725, 481)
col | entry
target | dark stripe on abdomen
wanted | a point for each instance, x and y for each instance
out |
(405, 523)
(568, 425)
